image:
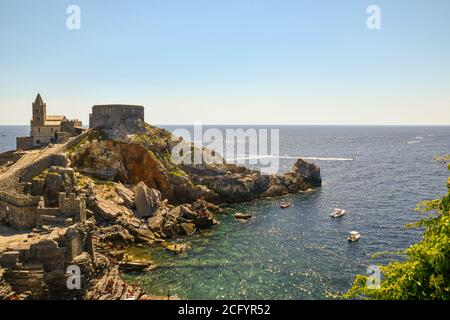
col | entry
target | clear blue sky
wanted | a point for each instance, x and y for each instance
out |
(230, 61)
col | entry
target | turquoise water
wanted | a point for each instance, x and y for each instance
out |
(301, 253)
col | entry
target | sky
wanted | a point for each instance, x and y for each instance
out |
(229, 61)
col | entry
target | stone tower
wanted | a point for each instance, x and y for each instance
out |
(39, 111)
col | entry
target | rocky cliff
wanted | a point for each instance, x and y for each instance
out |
(143, 153)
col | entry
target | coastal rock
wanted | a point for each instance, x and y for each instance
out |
(109, 210)
(156, 222)
(140, 231)
(134, 266)
(204, 218)
(112, 287)
(127, 195)
(6, 291)
(242, 216)
(146, 156)
(115, 236)
(188, 228)
(169, 221)
(308, 171)
(159, 298)
(28, 279)
(177, 248)
(147, 200)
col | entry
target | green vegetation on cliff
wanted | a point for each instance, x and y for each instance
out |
(425, 273)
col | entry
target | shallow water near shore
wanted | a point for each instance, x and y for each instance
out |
(378, 174)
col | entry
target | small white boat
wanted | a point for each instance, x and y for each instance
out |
(354, 236)
(337, 213)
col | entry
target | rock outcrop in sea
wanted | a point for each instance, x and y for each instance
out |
(83, 203)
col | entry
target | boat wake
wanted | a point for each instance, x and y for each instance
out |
(287, 158)
(418, 139)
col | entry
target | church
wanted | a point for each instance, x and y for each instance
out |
(46, 129)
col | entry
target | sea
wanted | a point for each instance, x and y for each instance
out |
(377, 174)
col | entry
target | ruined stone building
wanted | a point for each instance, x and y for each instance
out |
(47, 129)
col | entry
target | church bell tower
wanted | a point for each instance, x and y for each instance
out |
(39, 111)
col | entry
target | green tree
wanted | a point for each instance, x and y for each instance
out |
(425, 273)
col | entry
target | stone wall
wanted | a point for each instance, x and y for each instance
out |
(70, 126)
(24, 143)
(24, 212)
(18, 211)
(72, 206)
(75, 140)
(27, 174)
(110, 116)
(43, 135)
(62, 136)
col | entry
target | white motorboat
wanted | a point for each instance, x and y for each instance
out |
(337, 213)
(354, 236)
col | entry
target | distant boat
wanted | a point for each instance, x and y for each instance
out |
(286, 205)
(337, 213)
(354, 236)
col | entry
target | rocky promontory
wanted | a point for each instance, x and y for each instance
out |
(83, 203)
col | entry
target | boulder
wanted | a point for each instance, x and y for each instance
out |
(127, 195)
(205, 220)
(203, 217)
(309, 172)
(147, 200)
(177, 248)
(188, 228)
(171, 223)
(156, 222)
(242, 216)
(109, 210)
(116, 236)
(112, 287)
(202, 204)
(140, 232)
(134, 266)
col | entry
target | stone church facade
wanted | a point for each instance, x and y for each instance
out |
(46, 129)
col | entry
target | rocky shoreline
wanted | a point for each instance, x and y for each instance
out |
(82, 204)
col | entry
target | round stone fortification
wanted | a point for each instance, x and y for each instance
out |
(113, 115)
